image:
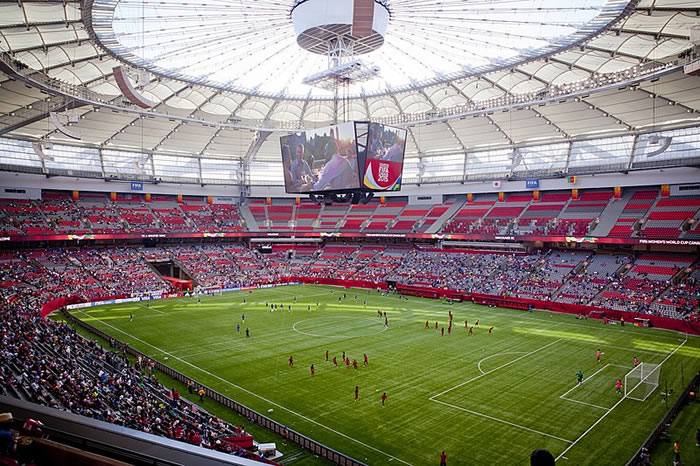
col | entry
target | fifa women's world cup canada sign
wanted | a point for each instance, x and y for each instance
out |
(345, 157)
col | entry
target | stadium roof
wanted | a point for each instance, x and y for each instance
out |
(589, 70)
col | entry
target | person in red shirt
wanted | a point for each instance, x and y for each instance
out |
(357, 392)
(449, 329)
(618, 386)
(347, 363)
(597, 355)
(366, 359)
(313, 370)
(291, 361)
(383, 398)
(442, 331)
(465, 324)
(436, 325)
(326, 355)
(426, 324)
(335, 361)
(450, 312)
(443, 459)
(636, 361)
(354, 363)
(343, 355)
(471, 330)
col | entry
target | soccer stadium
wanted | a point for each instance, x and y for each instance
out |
(354, 232)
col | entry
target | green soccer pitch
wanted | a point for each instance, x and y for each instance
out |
(484, 399)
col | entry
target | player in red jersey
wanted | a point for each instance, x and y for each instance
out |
(443, 459)
(343, 355)
(466, 325)
(636, 361)
(597, 355)
(354, 363)
(366, 360)
(383, 398)
(313, 370)
(442, 331)
(436, 325)
(291, 360)
(450, 314)
(357, 392)
(335, 361)
(618, 386)
(347, 363)
(449, 329)
(471, 330)
(426, 324)
(326, 355)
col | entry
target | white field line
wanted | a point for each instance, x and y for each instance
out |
(494, 355)
(149, 308)
(584, 381)
(614, 406)
(432, 398)
(502, 421)
(254, 394)
(587, 404)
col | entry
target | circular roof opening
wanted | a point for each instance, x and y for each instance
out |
(263, 48)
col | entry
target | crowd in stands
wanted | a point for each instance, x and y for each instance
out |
(605, 280)
(46, 362)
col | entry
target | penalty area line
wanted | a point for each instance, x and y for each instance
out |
(255, 394)
(561, 455)
(502, 421)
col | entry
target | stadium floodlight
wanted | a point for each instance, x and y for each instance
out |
(355, 71)
(641, 381)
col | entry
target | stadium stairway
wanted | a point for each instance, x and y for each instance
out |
(610, 214)
(248, 218)
(442, 219)
(620, 274)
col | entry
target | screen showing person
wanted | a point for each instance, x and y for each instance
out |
(384, 162)
(319, 160)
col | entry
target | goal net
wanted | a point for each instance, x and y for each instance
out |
(641, 381)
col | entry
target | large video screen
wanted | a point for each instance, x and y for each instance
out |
(321, 160)
(383, 162)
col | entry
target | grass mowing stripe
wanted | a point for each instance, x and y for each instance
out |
(255, 394)
(614, 406)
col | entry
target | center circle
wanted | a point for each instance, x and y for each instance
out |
(339, 327)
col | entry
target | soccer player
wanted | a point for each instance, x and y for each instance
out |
(326, 355)
(466, 325)
(247, 333)
(290, 308)
(291, 360)
(313, 370)
(308, 308)
(243, 300)
(357, 392)
(243, 317)
(636, 361)
(343, 355)
(471, 330)
(449, 329)
(579, 377)
(386, 322)
(347, 363)
(476, 324)
(339, 299)
(383, 398)
(335, 361)
(238, 328)
(426, 324)
(442, 332)
(618, 386)
(379, 313)
(131, 317)
(443, 458)
(366, 359)
(597, 355)
(354, 363)
(450, 313)
(436, 325)
(490, 330)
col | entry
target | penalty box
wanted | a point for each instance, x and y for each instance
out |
(598, 388)
(525, 391)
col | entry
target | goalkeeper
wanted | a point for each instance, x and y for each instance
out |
(579, 376)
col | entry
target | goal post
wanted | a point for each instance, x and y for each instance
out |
(641, 381)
